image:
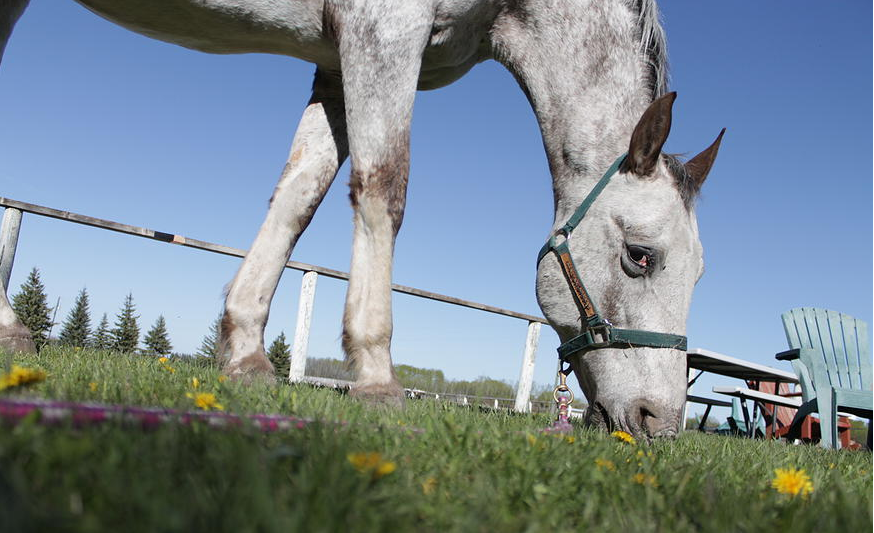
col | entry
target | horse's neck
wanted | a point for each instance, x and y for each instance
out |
(582, 71)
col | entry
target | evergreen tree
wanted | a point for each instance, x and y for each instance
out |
(279, 354)
(32, 309)
(77, 327)
(126, 334)
(157, 342)
(102, 337)
(209, 346)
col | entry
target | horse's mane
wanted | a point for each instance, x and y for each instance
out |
(687, 186)
(653, 44)
(655, 49)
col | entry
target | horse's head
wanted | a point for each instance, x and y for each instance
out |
(638, 256)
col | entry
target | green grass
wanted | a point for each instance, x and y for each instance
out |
(464, 471)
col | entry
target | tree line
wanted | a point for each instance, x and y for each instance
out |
(32, 308)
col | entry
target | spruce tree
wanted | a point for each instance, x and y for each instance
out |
(157, 342)
(126, 334)
(32, 309)
(102, 336)
(209, 346)
(77, 327)
(279, 354)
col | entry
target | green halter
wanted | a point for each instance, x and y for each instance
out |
(599, 333)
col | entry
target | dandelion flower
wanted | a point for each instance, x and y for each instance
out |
(429, 485)
(93, 386)
(792, 481)
(643, 479)
(205, 401)
(385, 468)
(163, 360)
(371, 463)
(222, 379)
(623, 436)
(195, 383)
(605, 464)
(20, 375)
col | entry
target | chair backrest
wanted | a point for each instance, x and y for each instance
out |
(841, 350)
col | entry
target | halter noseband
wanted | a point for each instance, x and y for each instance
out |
(599, 333)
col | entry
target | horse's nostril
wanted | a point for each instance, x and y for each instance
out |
(652, 418)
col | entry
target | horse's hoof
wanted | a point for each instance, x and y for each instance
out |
(387, 394)
(254, 367)
(17, 341)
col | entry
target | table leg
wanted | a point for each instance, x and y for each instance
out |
(704, 418)
(747, 423)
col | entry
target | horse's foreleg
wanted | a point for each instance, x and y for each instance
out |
(14, 336)
(381, 57)
(318, 150)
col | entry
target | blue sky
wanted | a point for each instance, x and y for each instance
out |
(101, 121)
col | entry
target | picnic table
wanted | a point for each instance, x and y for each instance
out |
(716, 363)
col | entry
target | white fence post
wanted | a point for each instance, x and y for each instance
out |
(526, 374)
(8, 243)
(298, 364)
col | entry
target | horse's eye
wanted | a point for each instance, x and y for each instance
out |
(638, 260)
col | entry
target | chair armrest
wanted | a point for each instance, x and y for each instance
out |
(788, 355)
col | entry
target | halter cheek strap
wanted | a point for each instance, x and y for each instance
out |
(598, 333)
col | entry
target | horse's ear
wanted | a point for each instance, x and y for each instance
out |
(649, 136)
(699, 166)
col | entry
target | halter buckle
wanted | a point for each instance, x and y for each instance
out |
(600, 335)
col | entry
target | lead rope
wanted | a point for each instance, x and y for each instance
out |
(563, 397)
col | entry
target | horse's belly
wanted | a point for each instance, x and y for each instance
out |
(227, 26)
(459, 40)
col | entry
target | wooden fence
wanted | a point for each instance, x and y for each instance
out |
(11, 225)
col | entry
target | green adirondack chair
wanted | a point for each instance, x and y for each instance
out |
(831, 355)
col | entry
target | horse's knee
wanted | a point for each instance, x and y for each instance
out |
(381, 189)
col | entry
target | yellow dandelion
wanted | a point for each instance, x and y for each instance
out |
(429, 485)
(222, 379)
(163, 360)
(364, 461)
(205, 401)
(93, 386)
(19, 375)
(371, 463)
(792, 481)
(570, 439)
(623, 436)
(195, 383)
(643, 479)
(532, 440)
(605, 464)
(385, 468)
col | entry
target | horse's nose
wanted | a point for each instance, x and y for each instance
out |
(653, 418)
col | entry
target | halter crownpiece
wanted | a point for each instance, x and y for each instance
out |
(599, 332)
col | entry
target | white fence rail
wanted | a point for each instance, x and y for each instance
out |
(12, 218)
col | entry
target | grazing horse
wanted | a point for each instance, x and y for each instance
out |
(595, 73)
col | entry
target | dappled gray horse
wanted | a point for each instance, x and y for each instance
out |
(595, 74)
